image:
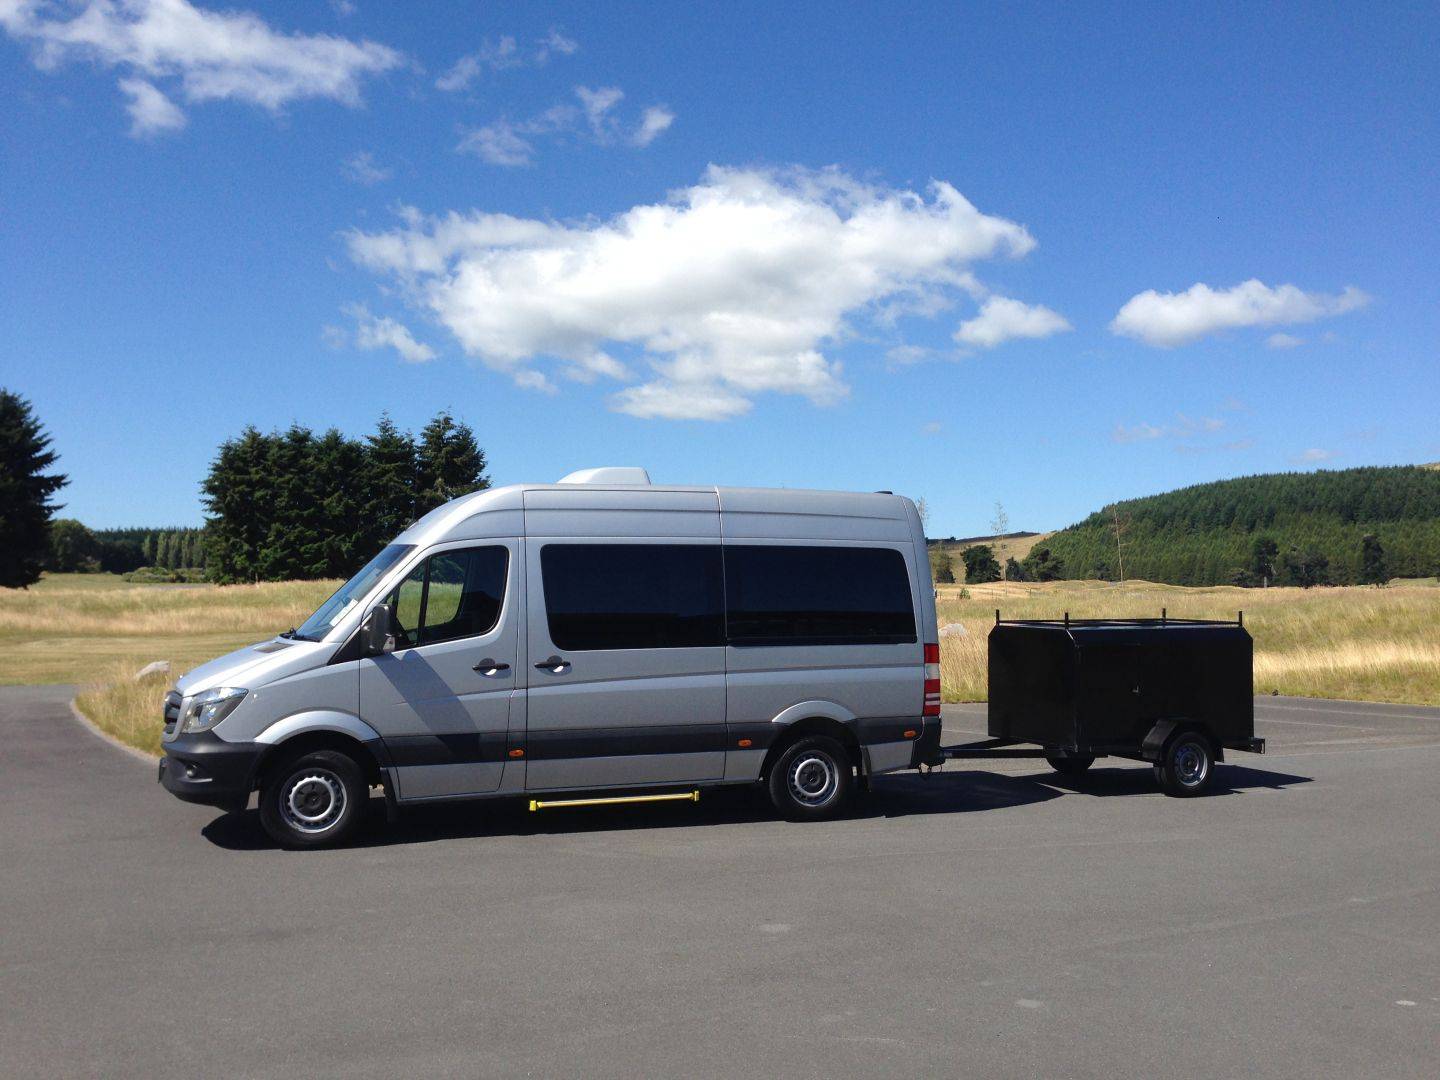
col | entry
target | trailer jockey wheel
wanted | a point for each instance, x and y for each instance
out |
(1186, 766)
(1074, 765)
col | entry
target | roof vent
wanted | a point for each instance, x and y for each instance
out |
(612, 474)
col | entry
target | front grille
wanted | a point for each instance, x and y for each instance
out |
(172, 708)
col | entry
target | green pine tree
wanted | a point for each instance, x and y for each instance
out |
(388, 483)
(25, 491)
(237, 498)
(448, 464)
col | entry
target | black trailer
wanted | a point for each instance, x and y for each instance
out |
(1174, 692)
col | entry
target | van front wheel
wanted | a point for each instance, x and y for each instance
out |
(812, 780)
(314, 800)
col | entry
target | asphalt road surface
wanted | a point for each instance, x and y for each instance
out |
(983, 922)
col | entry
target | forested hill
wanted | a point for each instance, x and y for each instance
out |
(1208, 534)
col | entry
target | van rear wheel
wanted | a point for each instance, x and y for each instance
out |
(314, 800)
(812, 780)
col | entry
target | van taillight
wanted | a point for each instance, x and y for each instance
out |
(932, 680)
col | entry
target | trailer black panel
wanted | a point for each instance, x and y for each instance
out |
(1103, 686)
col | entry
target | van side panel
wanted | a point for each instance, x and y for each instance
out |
(879, 686)
(616, 717)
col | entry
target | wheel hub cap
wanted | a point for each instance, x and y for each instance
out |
(1190, 765)
(813, 779)
(314, 802)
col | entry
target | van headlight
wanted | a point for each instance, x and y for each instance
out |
(209, 708)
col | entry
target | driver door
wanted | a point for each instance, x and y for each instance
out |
(441, 699)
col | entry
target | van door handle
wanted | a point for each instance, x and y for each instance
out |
(490, 667)
(555, 665)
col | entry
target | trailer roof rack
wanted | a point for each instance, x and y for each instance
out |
(1165, 619)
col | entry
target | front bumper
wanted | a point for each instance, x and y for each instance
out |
(204, 768)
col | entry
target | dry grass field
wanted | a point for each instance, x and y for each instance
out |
(1356, 643)
(72, 627)
(97, 631)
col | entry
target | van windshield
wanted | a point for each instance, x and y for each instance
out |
(351, 593)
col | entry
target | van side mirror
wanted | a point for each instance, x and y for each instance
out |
(375, 636)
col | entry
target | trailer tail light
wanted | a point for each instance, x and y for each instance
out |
(932, 680)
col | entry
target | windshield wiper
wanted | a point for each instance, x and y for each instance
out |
(295, 634)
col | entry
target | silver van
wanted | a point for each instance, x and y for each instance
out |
(599, 635)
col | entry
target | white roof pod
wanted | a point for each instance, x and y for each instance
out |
(610, 474)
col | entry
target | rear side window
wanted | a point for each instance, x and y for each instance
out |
(817, 596)
(632, 596)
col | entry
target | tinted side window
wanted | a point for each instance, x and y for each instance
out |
(455, 594)
(817, 596)
(632, 596)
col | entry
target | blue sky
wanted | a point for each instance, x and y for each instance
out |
(1051, 258)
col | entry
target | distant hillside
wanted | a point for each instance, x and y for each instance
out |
(1203, 535)
(1014, 545)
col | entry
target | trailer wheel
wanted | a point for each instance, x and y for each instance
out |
(1186, 765)
(314, 800)
(812, 779)
(1070, 766)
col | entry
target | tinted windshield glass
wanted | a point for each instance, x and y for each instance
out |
(351, 593)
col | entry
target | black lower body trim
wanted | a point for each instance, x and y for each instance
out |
(458, 749)
(204, 768)
(626, 742)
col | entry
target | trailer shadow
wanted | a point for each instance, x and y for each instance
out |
(1229, 780)
(892, 796)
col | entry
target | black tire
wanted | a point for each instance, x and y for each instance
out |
(812, 779)
(314, 800)
(1070, 766)
(1187, 765)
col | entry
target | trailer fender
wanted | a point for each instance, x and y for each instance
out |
(1159, 735)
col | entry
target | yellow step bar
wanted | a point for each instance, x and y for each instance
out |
(679, 796)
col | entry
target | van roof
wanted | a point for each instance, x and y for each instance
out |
(597, 493)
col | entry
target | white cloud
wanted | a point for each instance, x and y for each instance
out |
(1137, 433)
(361, 167)
(597, 104)
(1002, 319)
(343, 8)
(209, 55)
(501, 55)
(730, 288)
(1184, 427)
(500, 143)
(151, 112)
(934, 427)
(381, 332)
(1315, 454)
(654, 122)
(512, 142)
(1169, 319)
(905, 355)
(491, 56)
(1283, 341)
(553, 43)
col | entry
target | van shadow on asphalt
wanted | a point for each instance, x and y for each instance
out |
(894, 796)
